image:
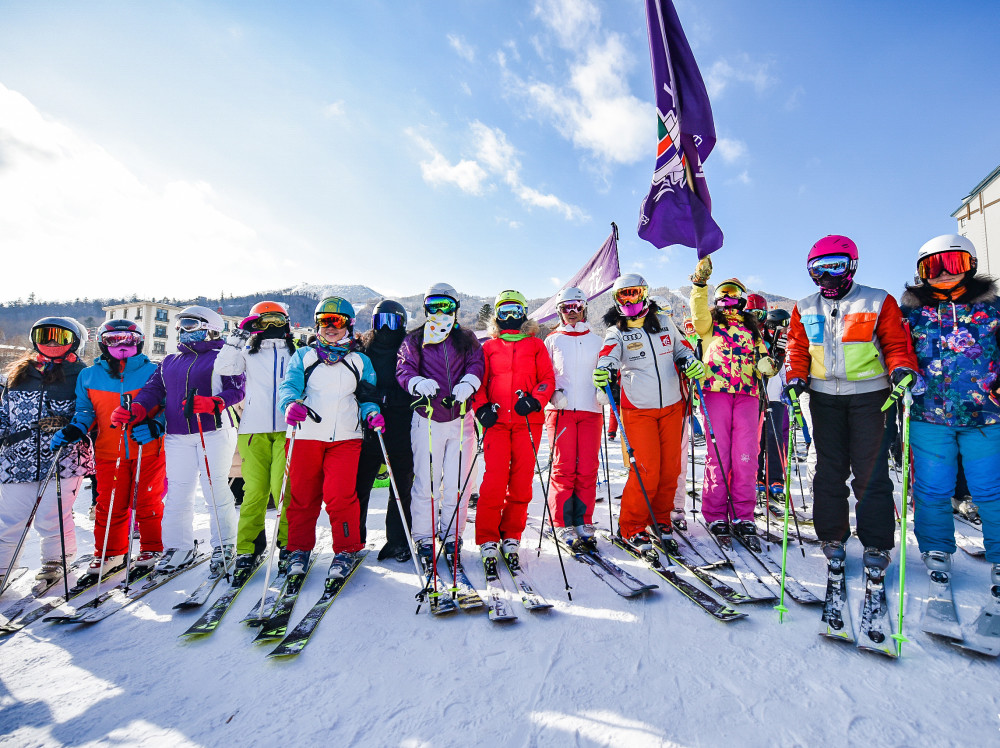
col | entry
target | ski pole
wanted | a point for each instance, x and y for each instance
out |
(907, 404)
(545, 495)
(690, 425)
(402, 514)
(545, 486)
(607, 473)
(711, 432)
(125, 402)
(786, 467)
(458, 496)
(131, 519)
(62, 533)
(434, 520)
(189, 408)
(781, 607)
(454, 514)
(897, 392)
(31, 518)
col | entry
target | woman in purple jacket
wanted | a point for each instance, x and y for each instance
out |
(441, 365)
(192, 368)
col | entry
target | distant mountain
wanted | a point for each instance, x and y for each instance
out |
(353, 293)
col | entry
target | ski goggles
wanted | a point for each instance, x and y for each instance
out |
(832, 265)
(191, 324)
(116, 339)
(760, 314)
(270, 319)
(387, 321)
(440, 305)
(729, 290)
(336, 321)
(631, 294)
(572, 307)
(510, 310)
(954, 263)
(48, 335)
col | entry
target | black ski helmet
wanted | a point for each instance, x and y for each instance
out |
(778, 318)
(118, 325)
(76, 330)
(388, 306)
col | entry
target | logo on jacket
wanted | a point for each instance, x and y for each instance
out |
(634, 346)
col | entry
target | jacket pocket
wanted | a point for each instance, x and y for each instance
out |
(814, 325)
(859, 327)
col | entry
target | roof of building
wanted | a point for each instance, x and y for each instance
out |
(977, 189)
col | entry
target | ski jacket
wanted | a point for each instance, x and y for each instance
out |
(443, 363)
(515, 361)
(728, 350)
(959, 357)
(574, 355)
(264, 371)
(847, 346)
(647, 362)
(31, 412)
(192, 367)
(383, 352)
(99, 391)
(330, 391)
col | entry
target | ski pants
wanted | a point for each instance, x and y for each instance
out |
(448, 439)
(774, 445)
(848, 431)
(734, 420)
(262, 464)
(16, 503)
(506, 491)
(575, 462)
(935, 464)
(655, 437)
(185, 469)
(148, 503)
(324, 473)
(397, 445)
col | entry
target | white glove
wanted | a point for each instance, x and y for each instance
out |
(559, 400)
(462, 392)
(423, 386)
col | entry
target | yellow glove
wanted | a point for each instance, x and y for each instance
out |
(695, 369)
(601, 377)
(767, 366)
(703, 271)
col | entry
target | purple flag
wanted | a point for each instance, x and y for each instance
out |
(678, 209)
(594, 278)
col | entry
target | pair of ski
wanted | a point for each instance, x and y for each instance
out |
(211, 618)
(940, 618)
(876, 631)
(10, 621)
(604, 568)
(496, 592)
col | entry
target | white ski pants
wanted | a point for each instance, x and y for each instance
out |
(16, 501)
(186, 466)
(446, 438)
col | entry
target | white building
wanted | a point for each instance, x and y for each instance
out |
(158, 323)
(979, 221)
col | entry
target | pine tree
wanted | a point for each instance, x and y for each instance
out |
(484, 316)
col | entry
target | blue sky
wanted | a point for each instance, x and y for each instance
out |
(182, 148)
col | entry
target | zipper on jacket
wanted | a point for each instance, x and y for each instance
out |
(187, 376)
(274, 390)
(656, 366)
(38, 435)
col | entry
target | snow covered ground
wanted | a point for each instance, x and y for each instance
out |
(598, 671)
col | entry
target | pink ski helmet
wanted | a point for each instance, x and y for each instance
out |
(831, 263)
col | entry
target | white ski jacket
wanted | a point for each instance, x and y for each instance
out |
(574, 353)
(264, 371)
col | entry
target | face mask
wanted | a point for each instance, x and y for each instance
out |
(437, 327)
(122, 352)
(946, 285)
(187, 338)
(55, 352)
(510, 324)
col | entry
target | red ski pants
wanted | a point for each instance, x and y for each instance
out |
(324, 473)
(148, 503)
(505, 493)
(655, 437)
(573, 488)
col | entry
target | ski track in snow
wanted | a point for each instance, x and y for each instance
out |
(598, 671)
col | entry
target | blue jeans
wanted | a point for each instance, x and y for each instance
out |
(935, 463)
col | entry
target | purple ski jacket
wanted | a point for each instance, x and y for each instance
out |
(192, 367)
(443, 363)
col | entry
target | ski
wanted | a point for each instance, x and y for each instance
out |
(983, 634)
(275, 588)
(531, 599)
(463, 592)
(717, 586)
(792, 586)
(202, 592)
(440, 603)
(211, 618)
(496, 597)
(16, 574)
(702, 546)
(876, 627)
(938, 615)
(975, 524)
(752, 583)
(40, 588)
(275, 626)
(83, 584)
(709, 604)
(973, 546)
(606, 570)
(835, 622)
(299, 637)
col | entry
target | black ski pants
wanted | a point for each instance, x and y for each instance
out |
(397, 445)
(849, 434)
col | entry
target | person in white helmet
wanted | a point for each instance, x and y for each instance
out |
(187, 385)
(954, 320)
(573, 420)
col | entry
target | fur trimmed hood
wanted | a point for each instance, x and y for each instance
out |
(978, 290)
(528, 327)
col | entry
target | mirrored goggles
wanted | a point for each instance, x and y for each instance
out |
(760, 314)
(954, 263)
(52, 336)
(191, 324)
(572, 307)
(440, 305)
(116, 339)
(387, 321)
(833, 265)
(729, 289)
(510, 311)
(631, 294)
(336, 321)
(270, 319)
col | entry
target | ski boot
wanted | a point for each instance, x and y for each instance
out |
(490, 551)
(938, 565)
(995, 578)
(587, 538)
(221, 559)
(450, 552)
(836, 557)
(876, 562)
(298, 562)
(643, 544)
(283, 555)
(50, 570)
(111, 565)
(341, 565)
(719, 528)
(402, 554)
(761, 491)
(678, 519)
(509, 547)
(147, 559)
(473, 500)
(243, 568)
(568, 535)
(746, 531)
(612, 435)
(967, 508)
(667, 541)
(174, 559)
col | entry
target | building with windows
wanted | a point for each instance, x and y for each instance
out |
(158, 323)
(979, 221)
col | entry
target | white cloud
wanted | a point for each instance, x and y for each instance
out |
(467, 175)
(742, 178)
(569, 19)
(730, 150)
(555, 281)
(336, 110)
(462, 48)
(466, 88)
(745, 70)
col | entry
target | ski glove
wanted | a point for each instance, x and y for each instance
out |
(767, 366)
(796, 387)
(462, 392)
(121, 416)
(488, 415)
(527, 404)
(423, 386)
(695, 369)
(602, 378)
(919, 387)
(702, 272)
(376, 422)
(148, 431)
(65, 436)
(205, 404)
(559, 400)
(296, 413)
(901, 378)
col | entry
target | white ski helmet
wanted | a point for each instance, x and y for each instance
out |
(210, 320)
(638, 301)
(947, 243)
(442, 289)
(571, 294)
(626, 281)
(664, 306)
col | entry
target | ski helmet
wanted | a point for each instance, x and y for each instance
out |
(53, 333)
(442, 291)
(390, 314)
(949, 253)
(731, 293)
(662, 304)
(265, 314)
(778, 318)
(117, 333)
(831, 264)
(689, 326)
(630, 293)
(510, 297)
(337, 306)
(210, 320)
(757, 304)
(573, 299)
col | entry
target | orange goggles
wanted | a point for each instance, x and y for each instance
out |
(631, 294)
(336, 321)
(954, 263)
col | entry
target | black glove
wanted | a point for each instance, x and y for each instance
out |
(901, 373)
(488, 415)
(147, 431)
(527, 404)
(66, 435)
(797, 386)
